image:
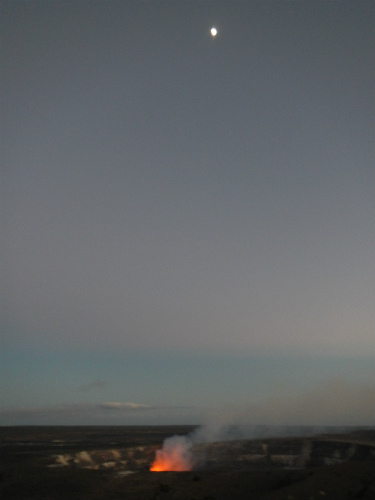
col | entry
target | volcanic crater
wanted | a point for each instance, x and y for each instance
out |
(100, 463)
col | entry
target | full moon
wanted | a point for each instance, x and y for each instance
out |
(213, 32)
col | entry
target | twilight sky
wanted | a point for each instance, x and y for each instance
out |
(188, 222)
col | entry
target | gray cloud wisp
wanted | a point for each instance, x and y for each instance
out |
(95, 384)
(78, 410)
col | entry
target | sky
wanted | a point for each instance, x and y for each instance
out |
(188, 221)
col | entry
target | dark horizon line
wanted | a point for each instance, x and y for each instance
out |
(229, 426)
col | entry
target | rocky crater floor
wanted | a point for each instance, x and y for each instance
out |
(288, 453)
(100, 463)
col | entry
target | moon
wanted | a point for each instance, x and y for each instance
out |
(213, 31)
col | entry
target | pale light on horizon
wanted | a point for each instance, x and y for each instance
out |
(187, 213)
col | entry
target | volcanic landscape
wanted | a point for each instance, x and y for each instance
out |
(114, 463)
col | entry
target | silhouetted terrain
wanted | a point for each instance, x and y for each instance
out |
(83, 463)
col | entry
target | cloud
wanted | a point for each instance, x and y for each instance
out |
(48, 411)
(125, 406)
(331, 402)
(81, 413)
(95, 384)
(71, 411)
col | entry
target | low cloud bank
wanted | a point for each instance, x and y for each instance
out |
(106, 413)
(79, 413)
(333, 402)
(125, 406)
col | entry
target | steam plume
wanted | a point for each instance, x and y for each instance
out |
(174, 456)
(331, 407)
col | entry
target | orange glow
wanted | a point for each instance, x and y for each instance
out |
(175, 456)
(164, 465)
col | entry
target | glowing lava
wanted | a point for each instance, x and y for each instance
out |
(174, 456)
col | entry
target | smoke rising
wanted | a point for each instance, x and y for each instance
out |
(174, 456)
(331, 407)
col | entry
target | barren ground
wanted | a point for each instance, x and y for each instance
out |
(83, 463)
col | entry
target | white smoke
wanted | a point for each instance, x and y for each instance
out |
(175, 455)
(334, 406)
